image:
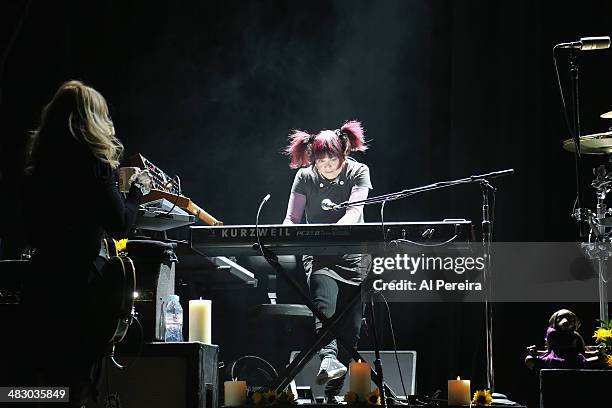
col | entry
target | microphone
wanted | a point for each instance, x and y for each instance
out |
(587, 44)
(327, 205)
(265, 199)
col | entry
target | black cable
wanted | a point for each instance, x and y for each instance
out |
(407, 241)
(382, 223)
(399, 368)
(253, 357)
(138, 354)
(492, 223)
(178, 181)
(402, 240)
(565, 112)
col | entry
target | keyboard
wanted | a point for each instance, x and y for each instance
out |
(331, 239)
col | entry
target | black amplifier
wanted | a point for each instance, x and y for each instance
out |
(177, 375)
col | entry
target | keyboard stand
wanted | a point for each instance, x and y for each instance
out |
(279, 383)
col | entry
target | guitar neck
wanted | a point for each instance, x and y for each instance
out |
(202, 215)
(184, 203)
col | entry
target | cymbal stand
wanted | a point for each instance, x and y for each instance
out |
(600, 251)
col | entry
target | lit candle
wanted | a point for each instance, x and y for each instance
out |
(458, 392)
(235, 393)
(200, 317)
(359, 379)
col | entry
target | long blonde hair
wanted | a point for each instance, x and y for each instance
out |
(84, 113)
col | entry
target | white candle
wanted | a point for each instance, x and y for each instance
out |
(359, 379)
(459, 392)
(200, 318)
(235, 393)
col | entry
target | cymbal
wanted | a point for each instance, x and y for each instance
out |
(607, 115)
(597, 143)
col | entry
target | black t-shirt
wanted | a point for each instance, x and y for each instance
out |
(309, 183)
(348, 268)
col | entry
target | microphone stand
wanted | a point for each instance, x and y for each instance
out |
(435, 186)
(486, 243)
(578, 214)
(486, 187)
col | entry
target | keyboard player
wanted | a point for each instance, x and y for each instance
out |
(326, 171)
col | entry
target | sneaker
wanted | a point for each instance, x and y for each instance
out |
(335, 399)
(330, 368)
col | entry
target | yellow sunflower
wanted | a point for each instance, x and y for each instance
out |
(351, 397)
(482, 398)
(602, 334)
(121, 245)
(257, 397)
(373, 398)
(290, 397)
(609, 360)
(269, 397)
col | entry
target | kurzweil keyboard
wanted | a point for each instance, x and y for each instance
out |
(331, 239)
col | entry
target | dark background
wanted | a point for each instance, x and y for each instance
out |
(445, 89)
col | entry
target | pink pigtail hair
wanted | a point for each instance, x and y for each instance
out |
(354, 132)
(297, 150)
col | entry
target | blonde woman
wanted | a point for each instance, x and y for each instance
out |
(72, 200)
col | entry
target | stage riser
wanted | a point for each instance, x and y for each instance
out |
(575, 388)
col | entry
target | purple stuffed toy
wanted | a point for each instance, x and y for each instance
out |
(564, 345)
